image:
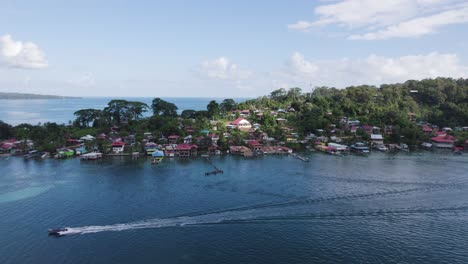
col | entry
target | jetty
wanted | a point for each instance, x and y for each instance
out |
(305, 159)
(91, 156)
(215, 171)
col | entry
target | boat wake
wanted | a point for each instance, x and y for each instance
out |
(269, 212)
(156, 223)
(252, 218)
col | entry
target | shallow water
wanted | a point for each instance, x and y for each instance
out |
(405, 208)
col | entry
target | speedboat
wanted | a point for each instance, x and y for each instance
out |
(57, 232)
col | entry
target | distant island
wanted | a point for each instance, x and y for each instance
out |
(27, 96)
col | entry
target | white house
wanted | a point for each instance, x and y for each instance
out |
(377, 139)
(241, 123)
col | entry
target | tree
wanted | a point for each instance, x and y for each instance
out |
(213, 108)
(278, 94)
(188, 114)
(163, 108)
(227, 105)
(116, 110)
(86, 116)
(136, 109)
(5, 130)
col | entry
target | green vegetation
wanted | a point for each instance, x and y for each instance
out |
(281, 115)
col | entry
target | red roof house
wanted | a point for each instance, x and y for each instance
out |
(446, 141)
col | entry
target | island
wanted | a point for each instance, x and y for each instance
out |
(427, 114)
(27, 96)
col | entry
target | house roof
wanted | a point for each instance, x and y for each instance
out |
(157, 153)
(254, 143)
(173, 136)
(118, 144)
(237, 121)
(426, 128)
(376, 137)
(444, 139)
(185, 146)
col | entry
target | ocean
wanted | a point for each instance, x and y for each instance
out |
(384, 208)
(61, 111)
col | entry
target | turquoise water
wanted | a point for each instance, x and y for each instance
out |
(61, 111)
(405, 208)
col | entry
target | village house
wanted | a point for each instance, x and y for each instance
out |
(377, 139)
(240, 150)
(102, 136)
(254, 145)
(280, 121)
(244, 113)
(241, 124)
(426, 129)
(9, 145)
(354, 122)
(169, 150)
(444, 142)
(276, 150)
(148, 135)
(388, 130)
(189, 130)
(87, 138)
(367, 128)
(188, 139)
(118, 146)
(213, 149)
(186, 150)
(150, 147)
(214, 138)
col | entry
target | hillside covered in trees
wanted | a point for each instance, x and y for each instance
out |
(402, 107)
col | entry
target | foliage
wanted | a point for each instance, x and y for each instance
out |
(163, 108)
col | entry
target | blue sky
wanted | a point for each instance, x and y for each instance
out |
(226, 48)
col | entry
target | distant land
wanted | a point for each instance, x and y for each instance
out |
(26, 96)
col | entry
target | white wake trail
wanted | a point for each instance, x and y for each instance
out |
(159, 223)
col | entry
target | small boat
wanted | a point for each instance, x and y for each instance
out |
(381, 147)
(360, 148)
(57, 231)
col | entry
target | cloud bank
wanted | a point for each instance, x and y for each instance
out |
(377, 20)
(18, 54)
(374, 70)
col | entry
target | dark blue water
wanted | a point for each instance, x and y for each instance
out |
(378, 209)
(61, 111)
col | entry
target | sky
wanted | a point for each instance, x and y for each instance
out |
(227, 48)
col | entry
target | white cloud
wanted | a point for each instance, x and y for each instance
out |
(26, 55)
(371, 19)
(300, 65)
(357, 13)
(221, 68)
(300, 25)
(373, 70)
(418, 26)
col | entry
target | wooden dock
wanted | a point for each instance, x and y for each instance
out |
(215, 171)
(305, 159)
